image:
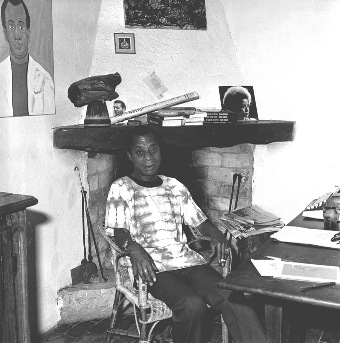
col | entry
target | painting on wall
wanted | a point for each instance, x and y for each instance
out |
(166, 14)
(26, 58)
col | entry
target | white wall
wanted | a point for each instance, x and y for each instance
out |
(83, 32)
(289, 51)
(30, 165)
(185, 60)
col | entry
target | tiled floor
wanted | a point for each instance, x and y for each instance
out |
(95, 331)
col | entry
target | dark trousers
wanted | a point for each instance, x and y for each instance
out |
(188, 291)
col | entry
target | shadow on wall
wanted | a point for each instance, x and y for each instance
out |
(34, 219)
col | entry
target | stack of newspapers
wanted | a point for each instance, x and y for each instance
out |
(249, 221)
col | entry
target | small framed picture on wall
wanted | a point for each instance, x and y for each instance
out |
(125, 43)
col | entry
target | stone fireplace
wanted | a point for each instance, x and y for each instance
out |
(208, 174)
(204, 158)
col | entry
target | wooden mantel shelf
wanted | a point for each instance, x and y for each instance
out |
(110, 139)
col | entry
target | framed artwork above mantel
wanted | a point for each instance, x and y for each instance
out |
(166, 14)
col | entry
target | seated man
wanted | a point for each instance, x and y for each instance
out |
(145, 212)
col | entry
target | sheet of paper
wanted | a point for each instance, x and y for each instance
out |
(267, 267)
(297, 271)
(309, 272)
(294, 234)
(155, 84)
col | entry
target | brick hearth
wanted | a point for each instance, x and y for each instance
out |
(208, 174)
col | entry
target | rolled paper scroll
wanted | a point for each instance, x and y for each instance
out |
(149, 108)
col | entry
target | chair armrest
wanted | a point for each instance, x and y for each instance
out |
(117, 253)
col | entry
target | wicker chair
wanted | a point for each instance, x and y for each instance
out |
(148, 311)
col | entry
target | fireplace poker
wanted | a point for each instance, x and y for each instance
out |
(239, 178)
(232, 191)
(90, 268)
(89, 224)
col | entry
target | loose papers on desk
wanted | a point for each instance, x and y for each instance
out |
(299, 235)
(296, 271)
(249, 221)
(253, 215)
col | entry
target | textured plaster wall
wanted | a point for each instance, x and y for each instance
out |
(30, 165)
(288, 50)
(83, 42)
(185, 60)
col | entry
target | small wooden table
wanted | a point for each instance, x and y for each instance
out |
(277, 292)
(14, 323)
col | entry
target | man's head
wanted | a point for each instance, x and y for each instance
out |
(143, 146)
(237, 99)
(16, 25)
(119, 107)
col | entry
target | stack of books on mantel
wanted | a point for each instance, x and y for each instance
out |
(249, 221)
(195, 119)
(176, 116)
(155, 119)
(216, 117)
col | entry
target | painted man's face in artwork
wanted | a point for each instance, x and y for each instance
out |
(17, 34)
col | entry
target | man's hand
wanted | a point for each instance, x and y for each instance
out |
(142, 263)
(218, 242)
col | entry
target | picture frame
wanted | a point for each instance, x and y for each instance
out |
(39, 81)
(161, 14)
(125, 43)
(253, 108)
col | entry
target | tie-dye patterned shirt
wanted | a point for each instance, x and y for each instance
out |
(154, 217)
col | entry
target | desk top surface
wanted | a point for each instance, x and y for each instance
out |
(10, 203)
(246, 278)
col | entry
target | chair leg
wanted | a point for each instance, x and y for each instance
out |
(143, 334)
(119, 297)
(225, 333)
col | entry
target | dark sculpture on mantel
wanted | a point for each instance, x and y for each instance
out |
(93, 92)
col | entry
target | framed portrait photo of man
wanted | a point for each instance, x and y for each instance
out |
(26, 58)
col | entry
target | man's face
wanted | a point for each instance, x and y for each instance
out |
(17, 34)
(118, 109)
(145, 156)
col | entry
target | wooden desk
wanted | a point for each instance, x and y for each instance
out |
(276, 292)
(14, 324)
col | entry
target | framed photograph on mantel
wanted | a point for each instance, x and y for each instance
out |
(125, 43)
(239, 99)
